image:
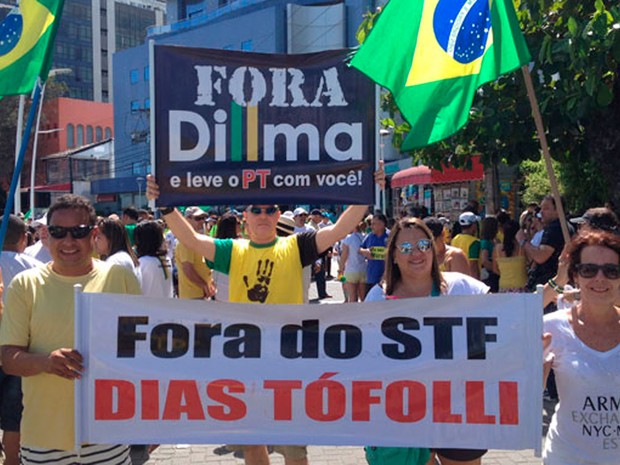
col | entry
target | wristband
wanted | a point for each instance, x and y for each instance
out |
(165, 210)
(553, 285)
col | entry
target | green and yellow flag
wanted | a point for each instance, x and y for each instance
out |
(26, 43)
(434, 54)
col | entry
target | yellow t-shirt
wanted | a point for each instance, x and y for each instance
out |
(39, 315)
(468, 244)
(270, 274)
(187, 289)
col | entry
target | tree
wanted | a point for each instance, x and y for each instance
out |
(576, 51)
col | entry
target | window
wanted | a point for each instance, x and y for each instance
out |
(80, 135)
(135, 106)
(147, 104)
(108, 133)
(247, 45)
(147, 74)
(70, 136)
(89, 134)
(134, 76)
(98, 133)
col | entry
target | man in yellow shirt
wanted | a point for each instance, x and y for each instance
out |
(195, 277)
(264, 269)
(468, 241)
(37, 331)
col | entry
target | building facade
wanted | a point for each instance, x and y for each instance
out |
(91, 31)
(264, 26)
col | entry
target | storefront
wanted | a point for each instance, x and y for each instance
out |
(447, 191)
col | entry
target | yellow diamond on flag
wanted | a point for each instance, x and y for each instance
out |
(453, 37)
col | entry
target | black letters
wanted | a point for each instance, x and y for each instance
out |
(444, 349)
(477, 337)
(126, 335)
(409, 346)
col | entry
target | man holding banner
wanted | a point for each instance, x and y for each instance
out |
(37, 336)
(264, 269)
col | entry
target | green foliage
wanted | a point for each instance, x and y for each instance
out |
(575, 46)
(536, 183)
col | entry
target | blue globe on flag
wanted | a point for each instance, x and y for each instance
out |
(10, 31)
(462, 28)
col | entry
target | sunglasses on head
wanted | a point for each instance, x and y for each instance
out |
(77, 232)
(406, 248)
(590, 270)
(268, 210)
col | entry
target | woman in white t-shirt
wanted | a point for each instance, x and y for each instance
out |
(112, 245)
(155, 267)
(352, 265)
(582, 345)
(412, 270)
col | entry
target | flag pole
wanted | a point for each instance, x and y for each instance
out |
(540, 129)
(18, 145)
(19, 162)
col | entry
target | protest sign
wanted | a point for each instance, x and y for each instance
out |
(234, 127)
(462, 372)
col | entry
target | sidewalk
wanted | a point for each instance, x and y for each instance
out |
(317, 455)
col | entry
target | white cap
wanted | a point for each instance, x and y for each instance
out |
(468, 218)
(299, 211)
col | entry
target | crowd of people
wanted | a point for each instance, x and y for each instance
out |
(265, 254)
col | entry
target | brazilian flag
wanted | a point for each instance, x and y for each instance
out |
(26, 43)
(434, 54)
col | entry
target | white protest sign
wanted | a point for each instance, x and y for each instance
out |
(460, 372)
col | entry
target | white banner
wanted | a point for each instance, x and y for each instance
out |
(460, 372)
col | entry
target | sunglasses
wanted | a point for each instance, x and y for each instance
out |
(406, 248)
(590, 270)
(268, 210)
(77, 232)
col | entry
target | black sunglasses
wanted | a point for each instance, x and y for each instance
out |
(406, 248)
(268, 210)
(77, 232)
(590, 270)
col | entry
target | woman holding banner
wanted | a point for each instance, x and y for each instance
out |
(582, 345)
(412, 270)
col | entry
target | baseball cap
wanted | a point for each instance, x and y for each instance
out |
(192, 212)
(285, 226)
(299, 211)
(598, 218)
(468, 218)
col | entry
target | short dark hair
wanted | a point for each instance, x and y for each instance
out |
(15, 230)
(381, 217)
(132, 213)
(73, 202)
(227, 226)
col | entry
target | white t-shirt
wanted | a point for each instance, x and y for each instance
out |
(457, 284)
(123, 259)
(356, 263)
(153, 280)
(13, 263)
(585, 428)
(39, 251)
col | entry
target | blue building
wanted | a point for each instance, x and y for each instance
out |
(267, 26)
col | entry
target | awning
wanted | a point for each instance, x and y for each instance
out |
(420, 175)
(63, 187)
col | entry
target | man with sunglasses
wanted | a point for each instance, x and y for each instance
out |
(37, 330)
(264, 269)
